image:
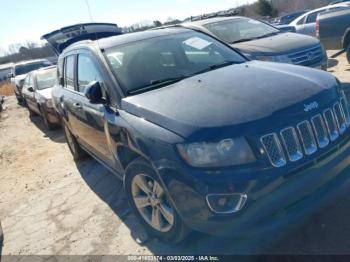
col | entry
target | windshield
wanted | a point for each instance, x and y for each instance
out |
(155, 62)
(242, 29)
(26, 68)
(46, 79)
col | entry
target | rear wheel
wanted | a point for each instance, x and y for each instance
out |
(19, 100)
(348, 53)
(74, 147)
(151, 203)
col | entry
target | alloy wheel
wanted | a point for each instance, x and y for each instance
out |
(152, 203)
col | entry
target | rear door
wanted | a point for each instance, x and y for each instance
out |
(69, 98)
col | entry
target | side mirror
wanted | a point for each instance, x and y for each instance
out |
(93, 92)
(30, 89)
(10, 75)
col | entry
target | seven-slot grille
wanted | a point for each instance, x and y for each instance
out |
(307, 57)
(309, 135)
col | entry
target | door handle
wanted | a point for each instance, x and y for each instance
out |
(78, 105)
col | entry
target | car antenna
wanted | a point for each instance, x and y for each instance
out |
(92, 20)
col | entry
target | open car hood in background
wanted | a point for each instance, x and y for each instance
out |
(62, 38)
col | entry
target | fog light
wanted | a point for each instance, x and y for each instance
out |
(226, 203)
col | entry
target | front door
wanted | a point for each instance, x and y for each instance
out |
(91, 122)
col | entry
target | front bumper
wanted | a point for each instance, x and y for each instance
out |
(275, 199)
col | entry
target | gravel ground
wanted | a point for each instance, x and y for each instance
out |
(50, 205)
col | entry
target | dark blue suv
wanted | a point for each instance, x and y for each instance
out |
(202, 138)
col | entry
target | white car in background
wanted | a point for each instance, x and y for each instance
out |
(306, 23)
(20, 71)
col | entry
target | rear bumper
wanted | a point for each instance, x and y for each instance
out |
(52, 116)
(274, 201)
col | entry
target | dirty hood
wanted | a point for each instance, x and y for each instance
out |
(233, 96)
(283, 43)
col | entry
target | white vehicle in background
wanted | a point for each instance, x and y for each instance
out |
(5, 69)
(20, 71)
(306, 23)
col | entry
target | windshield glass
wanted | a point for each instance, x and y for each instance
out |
(46, 79)
(236, 30)
(26, 68)
(155, 62)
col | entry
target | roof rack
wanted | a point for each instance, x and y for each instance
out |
(231, 12)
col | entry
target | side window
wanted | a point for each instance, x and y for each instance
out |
(312, 17)
(301, 21)
(87, 72)
(69, 72)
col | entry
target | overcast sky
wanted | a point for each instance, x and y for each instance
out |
(23, 20)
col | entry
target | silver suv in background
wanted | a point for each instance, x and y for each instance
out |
(260, 41)
(20, 71)
(306, 23)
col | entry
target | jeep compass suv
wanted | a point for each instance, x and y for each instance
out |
(202, 138)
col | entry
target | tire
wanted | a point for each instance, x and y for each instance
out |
(348, 53)
(47, 123)
(74, 147)
(140, 174)
(19, 100)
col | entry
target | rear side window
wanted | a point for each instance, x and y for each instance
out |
(69, 72)
(312, 17)
(87, 72)
(301, 21)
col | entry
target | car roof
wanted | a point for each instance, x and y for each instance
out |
(6, 66)
(129, 38)
(31, 61)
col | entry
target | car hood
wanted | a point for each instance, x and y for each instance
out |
(45, 93)
(230, 99)
(278, 44)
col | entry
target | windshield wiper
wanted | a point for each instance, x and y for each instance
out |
(215, 66)
(254, 38)
(154, 84)
(243, 40)
(267, 35)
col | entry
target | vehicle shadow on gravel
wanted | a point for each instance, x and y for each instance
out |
(55, 135)
(332, 63)
(109, 188)
(324, 232)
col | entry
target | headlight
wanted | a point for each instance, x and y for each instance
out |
(277, 59)
(49, 103)
(228, 152)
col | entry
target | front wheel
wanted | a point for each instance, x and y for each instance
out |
(74, 147)
(151, 203)
(348, 53)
